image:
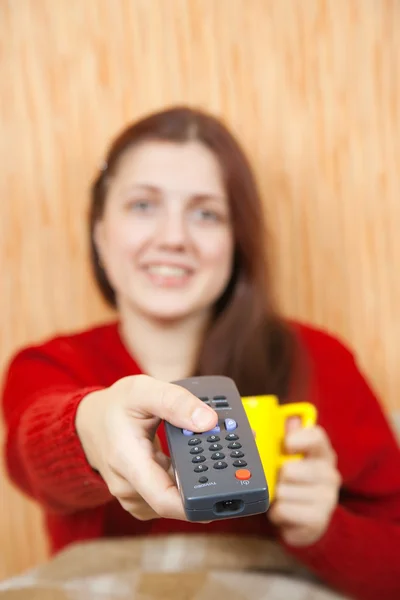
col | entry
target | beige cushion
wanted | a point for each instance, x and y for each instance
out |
(175, 567)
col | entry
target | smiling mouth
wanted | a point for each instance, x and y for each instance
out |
(168, 276)
(168, 271)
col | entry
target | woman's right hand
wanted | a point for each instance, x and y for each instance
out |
(117, 428)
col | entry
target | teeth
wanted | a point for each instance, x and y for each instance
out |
(167, 271)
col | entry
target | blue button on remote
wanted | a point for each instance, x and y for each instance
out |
(230, 424)
(217, 429)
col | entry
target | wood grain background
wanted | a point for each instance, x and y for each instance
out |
(312, 88)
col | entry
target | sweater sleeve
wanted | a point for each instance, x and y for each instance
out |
(360, 551)
(43, 453)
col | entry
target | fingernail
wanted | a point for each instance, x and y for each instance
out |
(163, 460)
(201, 418)
(292, 424)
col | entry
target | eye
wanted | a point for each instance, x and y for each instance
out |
(205, 214)
(140, 206)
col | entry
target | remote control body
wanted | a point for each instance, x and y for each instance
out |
(219, 472)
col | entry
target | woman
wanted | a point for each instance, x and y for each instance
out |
(178, 247)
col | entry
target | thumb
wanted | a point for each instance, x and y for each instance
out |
(153, 398)
(292, 424)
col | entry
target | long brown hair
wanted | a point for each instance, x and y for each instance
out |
(247, 340)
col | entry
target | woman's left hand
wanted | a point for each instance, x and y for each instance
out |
(307, 490)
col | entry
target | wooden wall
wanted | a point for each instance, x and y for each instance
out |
(312, 87)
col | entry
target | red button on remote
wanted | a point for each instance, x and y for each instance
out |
(243, 474)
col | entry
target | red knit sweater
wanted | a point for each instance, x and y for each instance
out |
(359, 553)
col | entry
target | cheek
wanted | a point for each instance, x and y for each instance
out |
(217, 253)
(124, 240)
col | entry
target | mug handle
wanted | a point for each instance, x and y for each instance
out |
(308, 415)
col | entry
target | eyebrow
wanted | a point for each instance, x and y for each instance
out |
(154, 189)
(146, 186)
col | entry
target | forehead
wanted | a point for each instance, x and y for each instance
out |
(188, 167)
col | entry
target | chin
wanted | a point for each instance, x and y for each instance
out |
(171, 314)
(168, 317)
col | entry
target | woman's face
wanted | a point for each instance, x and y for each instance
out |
(165, 239)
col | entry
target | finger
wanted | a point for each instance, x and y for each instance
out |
(171, 473)
(291, 513)
(139, 510)
(173, 403)
(120, 488)
(292, 424)
(155, 485)
(144, 478)
(299, 535)
(310, 441)
(300, 493)
(129, 497)
(308, 471)
(163, 460)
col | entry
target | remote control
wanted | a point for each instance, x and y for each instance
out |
(219, 472)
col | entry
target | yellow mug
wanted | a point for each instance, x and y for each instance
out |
(268, 419)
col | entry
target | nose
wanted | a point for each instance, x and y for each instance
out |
(172, 233)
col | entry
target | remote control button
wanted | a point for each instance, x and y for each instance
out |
(234, 446)
(200, 468)
(203, 479)
(216, 429)
(204, 398)
(217, 456)
(199, 458)
(231, 437)
(219, 398)
(220, 465)
(215, 447)
(243, 474)
(196, 450)
(187, 432)
(194, 442)
(230, 424)
(239, 463)
(220, 403)
(237, 454)
(213, 438)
